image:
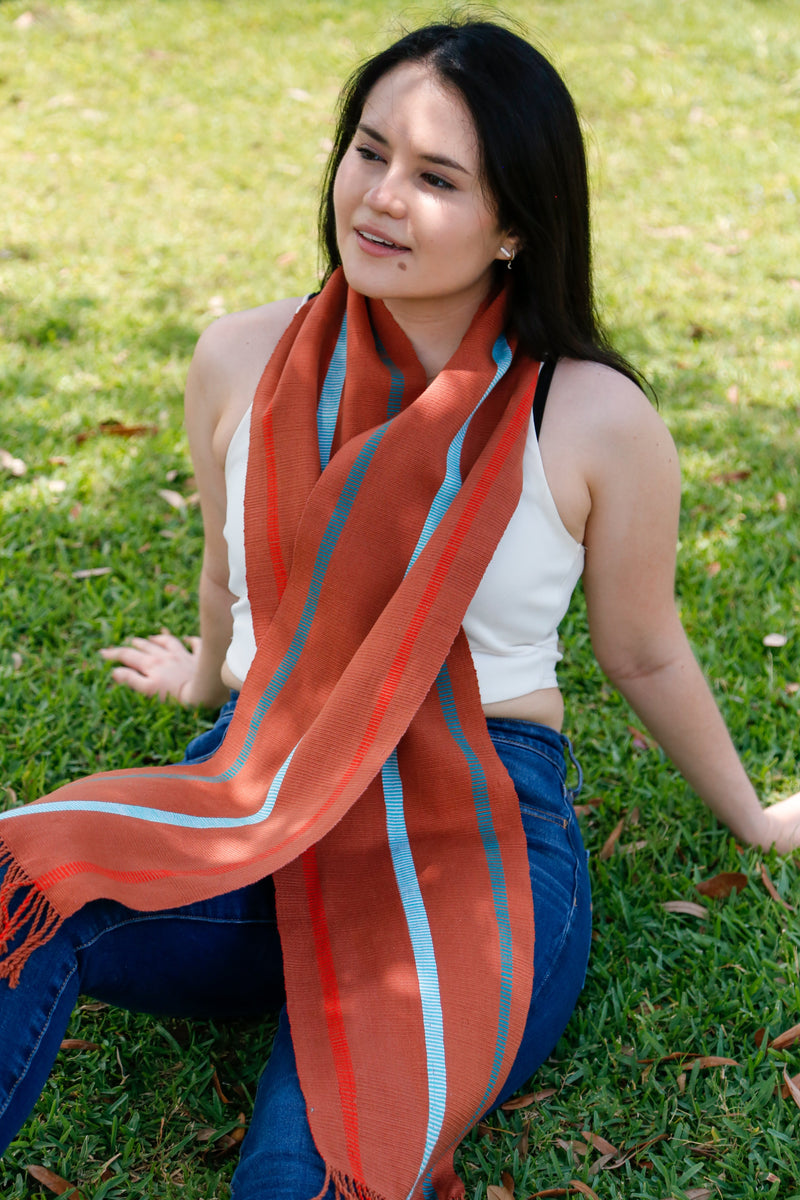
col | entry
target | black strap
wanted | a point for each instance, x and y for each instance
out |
(540, 395)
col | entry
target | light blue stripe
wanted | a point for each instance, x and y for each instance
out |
(501, 353)
(331, 396)
(424, 957)
(159, 816)
(494, 862)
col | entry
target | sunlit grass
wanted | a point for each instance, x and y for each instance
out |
(158, 166)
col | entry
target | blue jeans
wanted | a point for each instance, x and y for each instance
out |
(222, 958)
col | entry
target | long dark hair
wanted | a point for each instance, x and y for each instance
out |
(533, 167)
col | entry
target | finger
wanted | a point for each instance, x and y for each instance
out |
(134, 680)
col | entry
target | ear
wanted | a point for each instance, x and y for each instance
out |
(510, 247)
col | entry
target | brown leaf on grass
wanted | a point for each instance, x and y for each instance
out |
(54, 1183)
(218, 1087)
(731, 476)
(549, 1192)
(773, 891)
(611, 841)
(703, 1060)
(578, 1148)
(78, 1044)
(496, 1191)
(687, 907)
(723, 884)
(787, 1038)
(640, 740)
(528, 1099)
(599, 1143)
(507, 1180)
(791, 1087)
(115, 429)
(584, 1189)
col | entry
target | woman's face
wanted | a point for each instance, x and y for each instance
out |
(413, 225)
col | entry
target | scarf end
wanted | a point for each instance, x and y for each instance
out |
(345, 1187)
(32, 922)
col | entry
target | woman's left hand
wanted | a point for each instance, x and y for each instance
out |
(161, 665)
(782, 825)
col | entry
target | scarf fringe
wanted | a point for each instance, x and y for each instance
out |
(345, 1187)
(34, 917)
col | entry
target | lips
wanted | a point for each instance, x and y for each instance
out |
(377, 243)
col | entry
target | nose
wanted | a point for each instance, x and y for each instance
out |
(387, 195)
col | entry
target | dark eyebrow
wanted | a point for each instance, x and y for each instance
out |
(438, 159)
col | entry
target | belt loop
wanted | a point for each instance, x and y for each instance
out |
(568, 747)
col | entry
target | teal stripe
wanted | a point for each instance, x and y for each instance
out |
(501, 353)
(331, 396)
(419, 931)
(398, 383)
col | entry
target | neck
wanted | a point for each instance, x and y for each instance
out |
(435, 330)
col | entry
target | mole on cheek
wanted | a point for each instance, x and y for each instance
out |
(402, 266)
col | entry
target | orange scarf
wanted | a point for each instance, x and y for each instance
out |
(358, 767)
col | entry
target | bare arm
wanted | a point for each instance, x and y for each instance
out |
(222, 378)
(630, 537)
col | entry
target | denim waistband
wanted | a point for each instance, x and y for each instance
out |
(540, 737)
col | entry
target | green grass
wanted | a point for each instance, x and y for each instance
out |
(158, 165)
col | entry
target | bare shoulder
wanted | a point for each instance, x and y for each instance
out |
(600, 430)
(243, 341)
(606, 415)
(228, 362)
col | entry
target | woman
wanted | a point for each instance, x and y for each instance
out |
(402, 479)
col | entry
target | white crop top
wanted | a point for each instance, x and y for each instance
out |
(513, 618)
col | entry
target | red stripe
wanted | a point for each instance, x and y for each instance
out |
(273, 528)
(394, 674)
(432, 589)
(337, 1035)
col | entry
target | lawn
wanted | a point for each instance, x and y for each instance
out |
(158, 166)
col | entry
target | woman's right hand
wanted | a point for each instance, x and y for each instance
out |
(161, 665)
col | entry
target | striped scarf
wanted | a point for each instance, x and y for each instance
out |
(358, 768)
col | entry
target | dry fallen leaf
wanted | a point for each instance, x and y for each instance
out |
(640, 740)
(528, 1099)
(495, 1191)
(583, 1188)
(611, 841)
(78, 1044)
(787, 1038)
(791, 1086)
(218, 1087)
(687, 907)
(578, 1148)
(54, 1183)
(91, 572)
(731, 476)
(175, 499)
(773, 891)
(115, 429)
(599, 1143)
(723, 884)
